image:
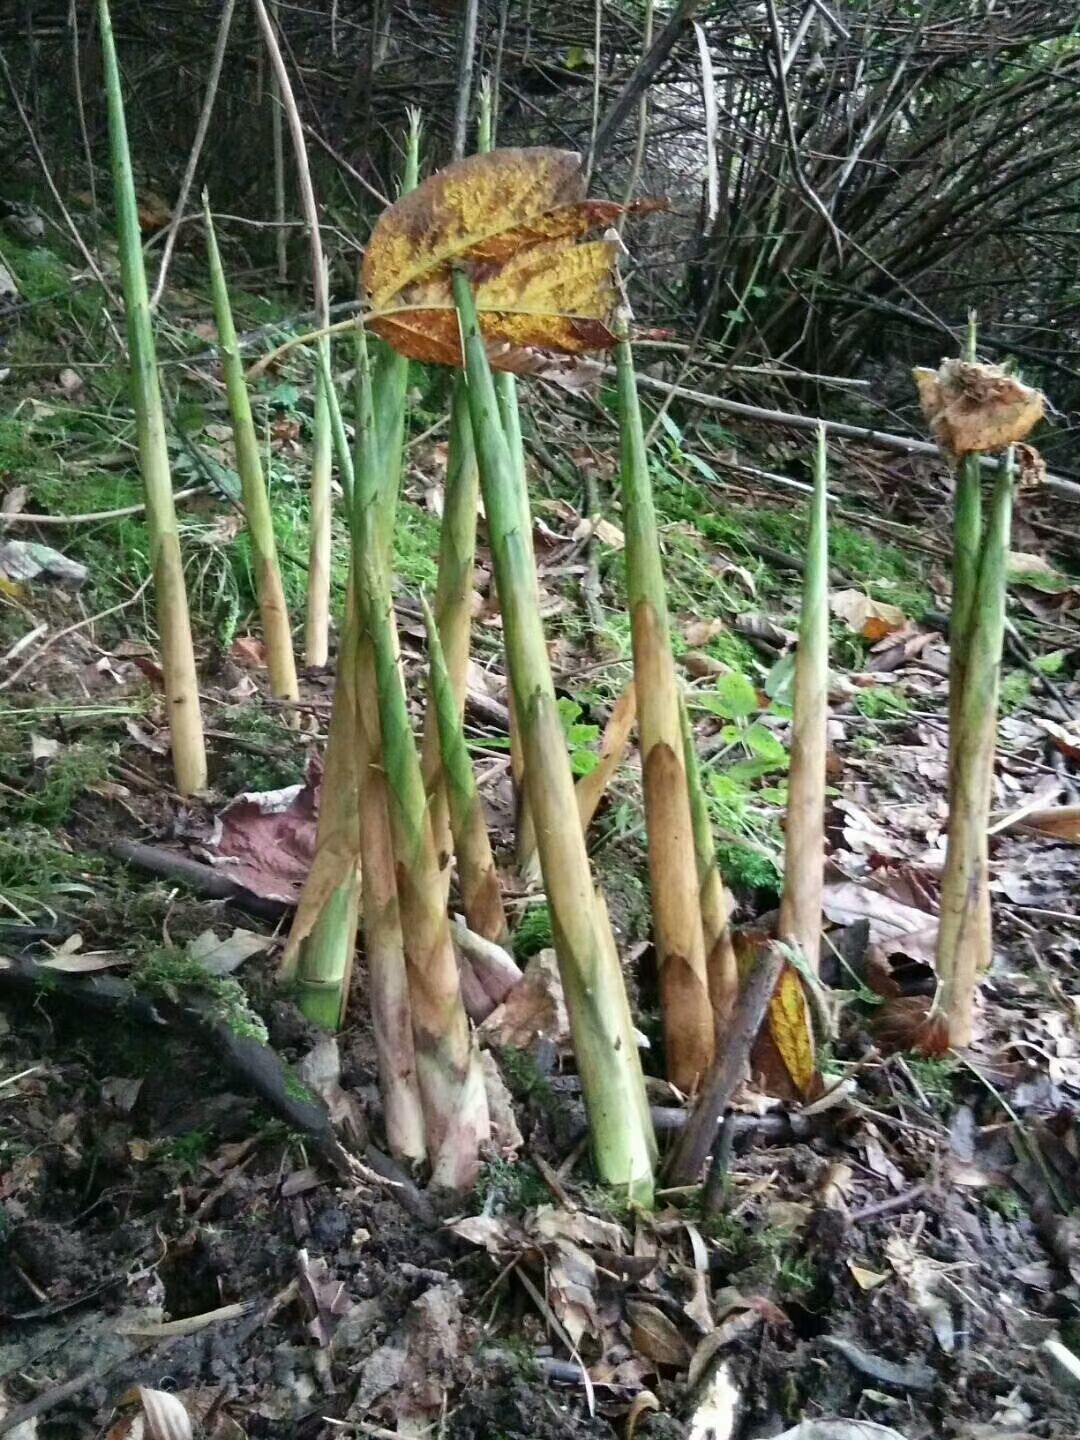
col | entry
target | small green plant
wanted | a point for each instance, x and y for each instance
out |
(64, 778)
(533, 932)
(1015, 691)
(580, 738)
(934, 1078)
(184, 1153)
(524, 1077)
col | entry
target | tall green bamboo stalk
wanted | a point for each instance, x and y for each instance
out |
(447, 1060)
(354, 831)
(174, 625)
(720, 962)
(481, 898)
(964, 886)
(316, 631)
(689, 1036)
(804, 832)
(277, 632)
(612, 1083)
(453, 611)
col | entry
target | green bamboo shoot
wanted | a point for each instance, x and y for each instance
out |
(964, 886)
(804, 834)
(689, 1036)
(612, 1083)
(174, 626)
(277, 633)
(478, 879)
(447, 1060)
(720, 961)
(453, 611)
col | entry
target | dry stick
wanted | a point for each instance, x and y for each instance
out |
(26, 518)
(466, 57)
(281, 239)
(728, 1071)
(642, 122)
(644, 75)
(804, 847)
(80, 244)
(689, 1034)
(904, 444)
(216, 63)
(80, 108)
(318, 578)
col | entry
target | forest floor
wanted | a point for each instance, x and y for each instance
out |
(896, 1257)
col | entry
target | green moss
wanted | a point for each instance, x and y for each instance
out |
(510, 1186)
(934, 1078)
(62, 779)
(168, 971)
(1015, 691)
(1007, 1203)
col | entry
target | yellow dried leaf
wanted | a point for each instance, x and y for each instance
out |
(792, 1031)
(865, 1279)
(972, 407)
(513, 218)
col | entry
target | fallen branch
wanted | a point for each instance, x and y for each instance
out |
(883, 439)
(256, 1064)
(727, 1072)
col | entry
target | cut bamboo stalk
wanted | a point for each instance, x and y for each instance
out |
(273, 610)
(478, 879)
(689, 1036)
(607, 1056)
(965, 882)
(174, 625)
(721, 964)
(804, 833)
(453, 617)
(447, 1060)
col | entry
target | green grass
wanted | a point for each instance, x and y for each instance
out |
(882, 702)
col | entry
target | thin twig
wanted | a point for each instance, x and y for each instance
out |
(70, 630)
(203, 126)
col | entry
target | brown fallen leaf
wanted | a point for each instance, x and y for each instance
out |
(974, 407)
(248, 650)
(655, 1336)
(872, 619)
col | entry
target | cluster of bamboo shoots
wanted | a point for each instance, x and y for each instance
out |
(397, 814)
(972, 408)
